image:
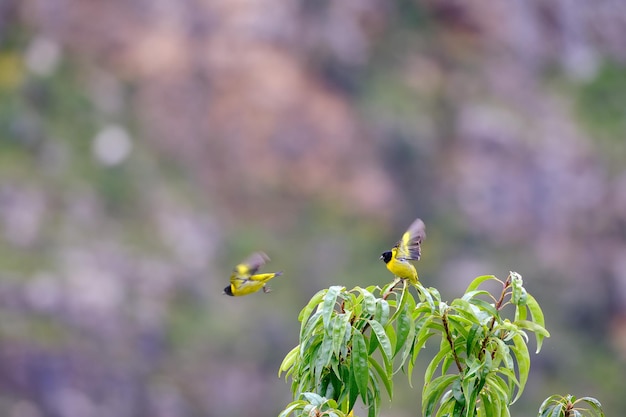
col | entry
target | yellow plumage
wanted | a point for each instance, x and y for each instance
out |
(244, 279)
(407, 249)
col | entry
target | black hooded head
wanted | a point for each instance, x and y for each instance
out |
(386, 256)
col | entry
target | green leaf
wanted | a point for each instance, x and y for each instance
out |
(313, 398)
(532, 326)
(372, 345)
(383, 340)
(473, 339)
(337, 383)
(391, 335)
(359, 364)
(340, 326)
(457, 391)
(385, 377)
(497, 385)
(373, 403)
(292, 407)
(479, 280)
(467, 310)
(447, 406)
(382, 311)
(369, 302)
(305, 313)
(537, 316)
(523, 363)
(459, 326)
(548, 401)
(511, 381)
(374, 392)
(474, 294)
(488, 406)
(324, 355)
(310, 348)
(471, 394)
(422, 309)
(329, 404)
(434, 363)
(423, 326)
(474, 366)
(433, 391)
(407, 346)
(557, 410)
(595, 404)
(345, 381)
(500, 351)
(404, 326)
(289, 360)
(326, 387)
(516, 279)
(354, 389)
(330, 299)
(519, 296)
(521, 312)
(415, 349)
(426, 296)
(485, 306)
(313, 326)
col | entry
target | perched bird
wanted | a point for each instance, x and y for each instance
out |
(244, 279)
(407, 249)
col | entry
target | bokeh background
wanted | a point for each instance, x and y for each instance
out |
(147, 146)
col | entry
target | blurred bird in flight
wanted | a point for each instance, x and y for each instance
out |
(407, 249)
(244, 279)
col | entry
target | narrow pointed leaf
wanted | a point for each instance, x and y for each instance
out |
(382, 337)
(329, 303)
(324, 354)
(434, 363)
(479, 280)
(340, 327)
(292, 407)
(595, 404)
(305, 313)
(537, 316)
(485, 306)
(385, 377)
(433, 391)
(360, 364)
(289, 360)
(404, 326)
(523, 363)
(382, 311)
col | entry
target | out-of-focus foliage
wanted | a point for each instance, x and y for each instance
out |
(145, 147)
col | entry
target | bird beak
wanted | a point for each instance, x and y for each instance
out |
(381, 257)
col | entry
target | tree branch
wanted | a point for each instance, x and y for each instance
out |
(444, 319)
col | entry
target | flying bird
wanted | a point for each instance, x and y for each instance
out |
(407, 249)
(244, 279)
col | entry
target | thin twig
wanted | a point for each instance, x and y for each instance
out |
(444, 319)
(393, 287)
(499, 304)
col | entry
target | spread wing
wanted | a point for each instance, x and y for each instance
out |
(409, 246)
(248, 267)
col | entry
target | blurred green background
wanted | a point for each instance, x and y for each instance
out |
(148, 146)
